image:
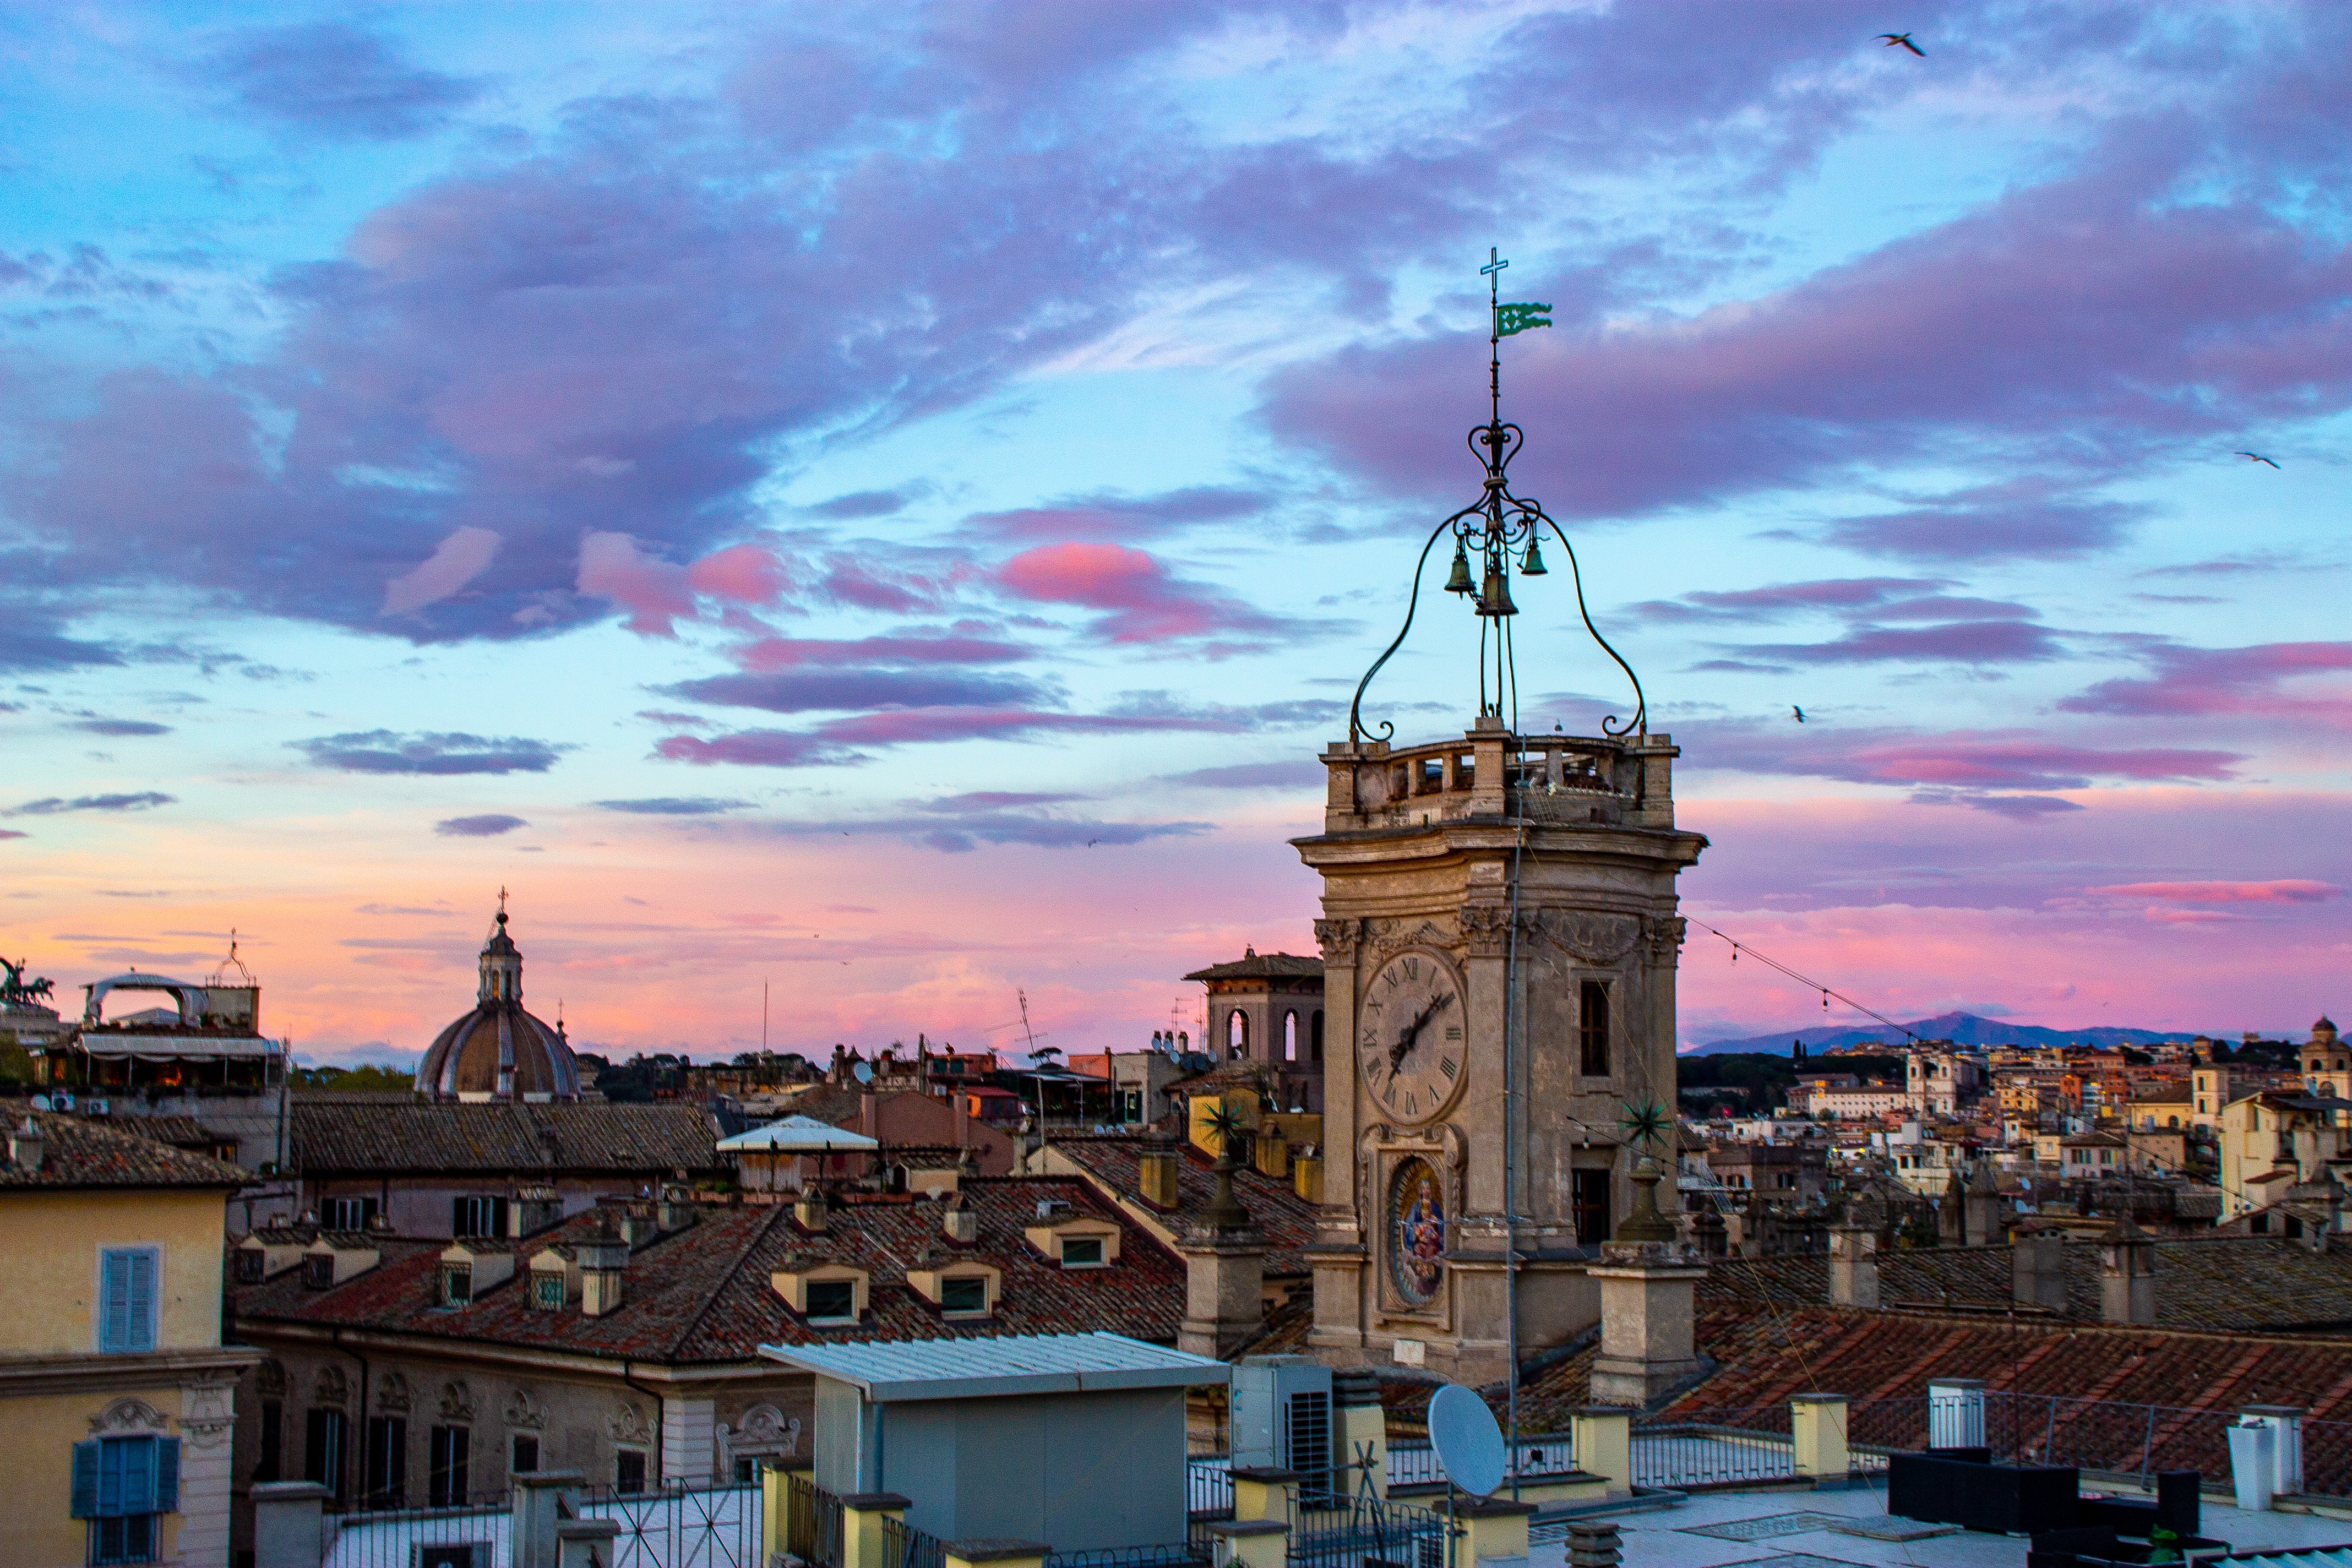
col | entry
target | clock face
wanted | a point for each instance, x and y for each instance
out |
(1410, 1035)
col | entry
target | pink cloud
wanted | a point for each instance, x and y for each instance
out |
(2286, 891)
(456, 560)
(1143, 602)
(2190, 681)
(1959, 759)
(657, 594)
(775, 653)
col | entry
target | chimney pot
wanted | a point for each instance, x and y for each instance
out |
(26, 1146)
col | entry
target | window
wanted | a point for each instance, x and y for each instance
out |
(1081, 1251)
(351, 1214)
(323, 1450)
(317, 1270)
(123, 1486)
(831, 1299)
(629, 1469)
(747, 1469)
(969, 1294)
(1290, 1036)
(126, 1309)
(461, 1554)
(447, 1454)
(1588, 1206)
(249, 1266)
(457, 1286)
(547, 1292)
(1592, 1033)
(273, 1441)
(387, 1461)
(1236, 1035)
(523, 1454)
(1315, 1036)
(477, 1216)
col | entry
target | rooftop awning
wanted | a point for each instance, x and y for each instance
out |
(891, 1371)
(796, 1135)
(171, 1047)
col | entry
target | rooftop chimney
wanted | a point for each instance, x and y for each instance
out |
(1156, 1174)
(2037, 1268)
(809, 1208)
(26, 1146)
(961, 1224)
(1854, 1259)
(2127, 1275)
(602, 1262)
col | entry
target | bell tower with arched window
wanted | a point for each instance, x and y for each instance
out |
(1268, 1008)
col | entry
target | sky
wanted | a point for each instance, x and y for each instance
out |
(884, 504)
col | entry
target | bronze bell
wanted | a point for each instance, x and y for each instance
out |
(1459, 581)
(1531, 565)
(1494, 598)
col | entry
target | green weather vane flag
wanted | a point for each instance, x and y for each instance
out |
(1510, 319)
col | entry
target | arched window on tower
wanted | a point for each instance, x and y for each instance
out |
(1236, 1035)
(1315, 1037)
(1290, 1036)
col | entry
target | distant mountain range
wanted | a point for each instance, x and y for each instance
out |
(1961, 1028)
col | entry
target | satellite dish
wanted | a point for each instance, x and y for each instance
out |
(862, 1073)
(1469, 1445)
(40, 1102)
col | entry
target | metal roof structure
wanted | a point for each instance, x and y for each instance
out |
(888, 1370)
(797, 1134)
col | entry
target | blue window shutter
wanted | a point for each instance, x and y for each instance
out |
(85, 1479)
(167, 1475)
(142, 1301)
(113, 1300)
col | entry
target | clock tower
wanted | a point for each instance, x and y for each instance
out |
(1499, 944)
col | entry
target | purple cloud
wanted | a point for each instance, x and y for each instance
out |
(2034, 530)
(488, 825)
(120, 727)
(29, 640)
(800, 691)
(1142, 601)
(1780, 599)
(835, 742)
(676, 806)
(1106, 519)
(1957, 760)
(52, 806)
(2190, 682)
(1300, 774)
(432, 755)
(334, 81)
(1960, 642)
(784, 653)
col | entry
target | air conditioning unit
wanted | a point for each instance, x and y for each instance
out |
(1282, 1418)
(95, 1107)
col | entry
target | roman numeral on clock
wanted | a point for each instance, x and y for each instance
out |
(1445, 1066)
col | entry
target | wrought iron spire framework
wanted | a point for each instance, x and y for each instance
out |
(1505, 532)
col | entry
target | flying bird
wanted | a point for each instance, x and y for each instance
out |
(2257, 457)
(1798, 711)
(1892, 39)
(1092, 842)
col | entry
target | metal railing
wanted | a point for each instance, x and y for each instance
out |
(1715, 1448)
(1412, 1462)
(811, 1523)
(1875, 1429)
(1208, 1488)
(678, 1526)
(903, 1546)
(1328, 1530)
(389, 1537)
(1179, 1554)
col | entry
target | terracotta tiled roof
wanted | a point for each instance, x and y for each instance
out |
(1263, 966)
(414, 1135)
(77, 1152)
(1286, 1220)
(2242, 1283)
(702, 1294)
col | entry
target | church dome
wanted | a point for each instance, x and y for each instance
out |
(498, 1051)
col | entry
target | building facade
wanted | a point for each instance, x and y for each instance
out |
(116, 1390)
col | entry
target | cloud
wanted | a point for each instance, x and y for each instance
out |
(120, 727)
(1144, 603)
(486, 826)
(1954, 760)
(800, 691)
(51, 805)
(1960, 642)
(30, 640)
(676, 806)
(430, 753)
(961, 823)
(335, 80)
(785, 653)
(835, 743)
(12, 833)
(456, 560)
(1112, 519)
(860, 504)
(2037, 529)
(758, 749)
(2190, 682)
(1301, 774)
(2289, 890)
(1782, 599)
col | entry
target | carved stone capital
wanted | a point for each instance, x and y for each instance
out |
(1665, 938)
(1485, 929)
(1338, 939)
(1600, 940)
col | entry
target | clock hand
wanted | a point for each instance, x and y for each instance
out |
(1408, 1037)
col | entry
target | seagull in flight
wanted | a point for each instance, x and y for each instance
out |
(1798, 711)
(1892, 39)
(2257, 457)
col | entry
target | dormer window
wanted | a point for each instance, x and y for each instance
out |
(457, 1287)
(250, 1265)
(547, 1292)
(1082, 1252)
(832, 1299)
(967, 1294)
(319, 1270)
(829, 1295)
